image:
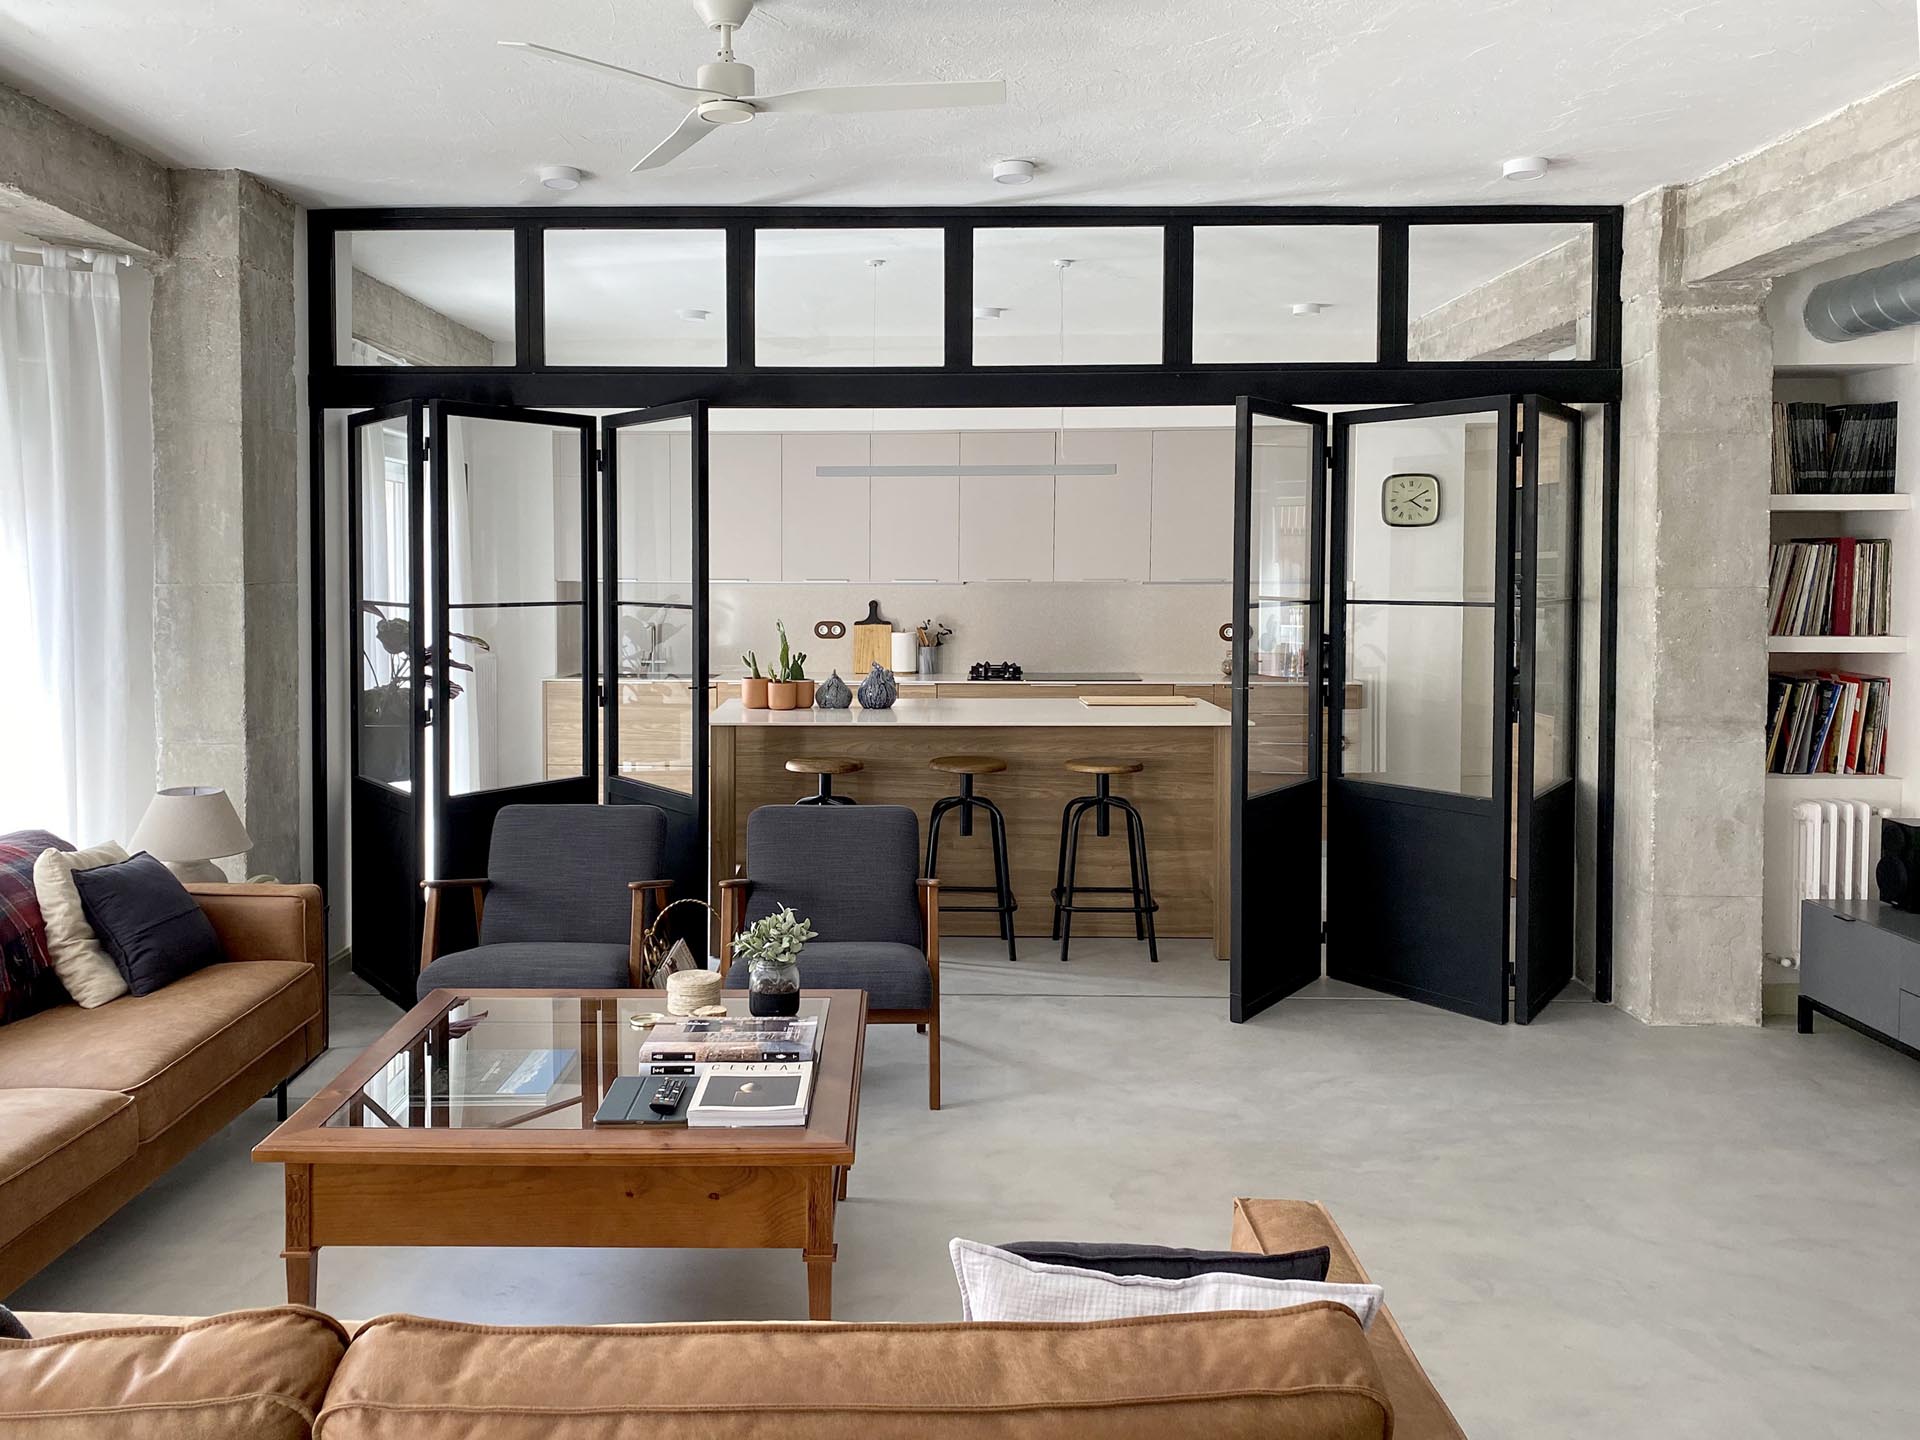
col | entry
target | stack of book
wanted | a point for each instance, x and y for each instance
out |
(749, 1070)
(771, 1094)
(1827, 723)
(1833, 449)
(1830, 587)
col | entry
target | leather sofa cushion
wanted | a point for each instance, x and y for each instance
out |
(1288, 1375)
(53, 1145)
(169, 1050)
(251, 1375)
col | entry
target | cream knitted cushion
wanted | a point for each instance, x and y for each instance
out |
(83, 966)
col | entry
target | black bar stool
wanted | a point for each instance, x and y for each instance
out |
(826, 767)
(1140, 891)
(966, 767)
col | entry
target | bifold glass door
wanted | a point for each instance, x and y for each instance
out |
(1426, 560)
(654, 617)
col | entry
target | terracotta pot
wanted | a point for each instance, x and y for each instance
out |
(782, 694)
(753, 693)
(804, 699)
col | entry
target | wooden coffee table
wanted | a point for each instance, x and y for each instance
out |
(396, 1152)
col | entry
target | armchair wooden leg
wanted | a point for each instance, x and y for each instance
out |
(919, 1029)
(933, 1064)
(841, 1186)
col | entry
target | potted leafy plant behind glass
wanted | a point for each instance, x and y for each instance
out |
(386, 705)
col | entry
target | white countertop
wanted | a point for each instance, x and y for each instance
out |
(987, 713)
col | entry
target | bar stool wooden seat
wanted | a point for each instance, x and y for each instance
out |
(825, 767)
(1141, 903)
(967, 767)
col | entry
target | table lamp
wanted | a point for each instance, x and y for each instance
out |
(187, 828)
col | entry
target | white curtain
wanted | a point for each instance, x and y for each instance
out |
(76, 543)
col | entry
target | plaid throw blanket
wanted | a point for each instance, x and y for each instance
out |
(27, 980)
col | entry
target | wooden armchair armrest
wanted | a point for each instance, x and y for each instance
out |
(930, 920)
(430, 932)
(639, 890)
(733, 915)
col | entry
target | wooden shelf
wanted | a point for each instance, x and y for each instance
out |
(1837, 504)
(1836, 644)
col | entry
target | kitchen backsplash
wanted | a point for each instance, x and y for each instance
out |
(1088, 626)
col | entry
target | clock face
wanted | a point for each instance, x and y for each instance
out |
(1410, 499)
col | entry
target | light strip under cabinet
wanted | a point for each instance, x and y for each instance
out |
(917, 472)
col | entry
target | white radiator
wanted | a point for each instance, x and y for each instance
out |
(1837, 844)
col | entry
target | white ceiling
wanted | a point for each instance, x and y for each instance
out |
(1127, 101)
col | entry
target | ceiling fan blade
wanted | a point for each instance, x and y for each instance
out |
(687, 93)
(691, 131)
(858, 99)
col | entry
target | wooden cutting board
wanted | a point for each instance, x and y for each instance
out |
(1138, 700)
(872, 643)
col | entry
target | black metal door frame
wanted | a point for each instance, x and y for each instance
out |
(686, 813)
(1275, 836)
(463, 824)
(1448, 850)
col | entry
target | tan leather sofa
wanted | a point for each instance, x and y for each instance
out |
(94, 1104)
(285, 1374)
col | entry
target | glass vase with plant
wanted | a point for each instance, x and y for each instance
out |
(771, 947)
(386, 704)
(753, 689)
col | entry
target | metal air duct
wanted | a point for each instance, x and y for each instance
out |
(1884, 298)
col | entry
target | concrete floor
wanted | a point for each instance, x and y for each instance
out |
(1587, 1227)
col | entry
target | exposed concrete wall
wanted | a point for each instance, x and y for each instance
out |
(65, 182)
(1698, 386)
(1844, 183)
(393, 321)
(1531, 312)
(227, 615)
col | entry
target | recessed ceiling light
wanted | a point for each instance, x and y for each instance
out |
(988, 312)
(559, 177)
(1013, 172)
(1308, 307)
(1526, 167)
(692, 313)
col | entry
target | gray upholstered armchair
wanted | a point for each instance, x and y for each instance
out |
(854, 871)
(563, 904)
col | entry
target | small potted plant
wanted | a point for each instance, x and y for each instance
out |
(753, 689)
(796, 670)
(771, 947)
(783, 690)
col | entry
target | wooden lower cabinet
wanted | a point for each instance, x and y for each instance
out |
(656, 731)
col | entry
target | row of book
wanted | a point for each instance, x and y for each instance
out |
(1830, 587)
(1833, 449)
(1827, 723)
(745, 1069)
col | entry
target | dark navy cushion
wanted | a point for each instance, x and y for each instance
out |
(147, 922)
(853, 870)
(895, 977)
(527, 967)
(1159, 1262)
(560, 872)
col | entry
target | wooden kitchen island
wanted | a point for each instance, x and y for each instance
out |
(1182, 794)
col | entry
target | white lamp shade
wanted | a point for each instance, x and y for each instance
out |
(192, 822)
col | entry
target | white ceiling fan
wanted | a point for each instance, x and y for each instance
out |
(722, 92)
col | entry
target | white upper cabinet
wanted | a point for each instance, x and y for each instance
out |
(914, 531)
(1006, 521)
(825, 521)
(743, 508)
(1101, 523)
(1192, 505)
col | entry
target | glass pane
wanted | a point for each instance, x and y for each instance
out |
(636, 297)
(1081, 295)
(384, 702)
(1500, 292)
(516, 601)
(1555, 566)
(1285, 619)
(424, 297)
(653, 609)
(1279, 693)
(849, 297)
(1426, 676)
(1268, 294)
(1423, 509)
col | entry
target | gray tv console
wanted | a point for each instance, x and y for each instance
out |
(1860, 965)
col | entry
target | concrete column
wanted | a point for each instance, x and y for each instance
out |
(1698, 387)
(226, 505)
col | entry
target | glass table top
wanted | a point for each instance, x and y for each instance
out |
(504, 1061)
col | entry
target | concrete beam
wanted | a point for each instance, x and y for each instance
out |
(64, 182)
(1533, 310)
(1845, 183)
(393, 321)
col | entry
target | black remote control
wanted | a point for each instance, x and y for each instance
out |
(667, 1096)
